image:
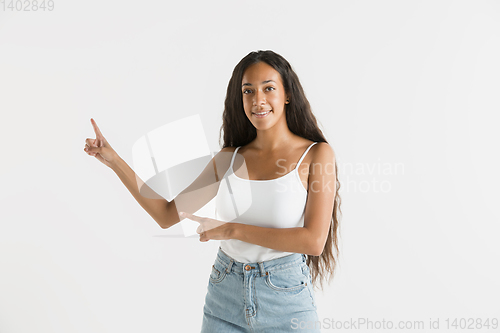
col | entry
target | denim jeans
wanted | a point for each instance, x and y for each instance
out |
(270, 296)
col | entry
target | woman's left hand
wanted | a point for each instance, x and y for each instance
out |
(211, 228)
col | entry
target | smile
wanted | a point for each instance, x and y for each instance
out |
(261, 114)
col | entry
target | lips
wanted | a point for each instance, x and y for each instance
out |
(260, 116)
(261, 111)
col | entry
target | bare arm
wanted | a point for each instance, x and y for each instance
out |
(195, 196)
(156, 208)
(299, 240)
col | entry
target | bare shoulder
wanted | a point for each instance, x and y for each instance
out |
(322, 164)
(322, 152)
(225, 153)
(228, 149)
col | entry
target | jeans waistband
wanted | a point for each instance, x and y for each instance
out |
(262, 267)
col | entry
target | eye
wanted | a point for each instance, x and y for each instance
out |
(244, 91)
(270, 88)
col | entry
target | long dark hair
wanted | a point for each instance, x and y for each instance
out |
(239, 131)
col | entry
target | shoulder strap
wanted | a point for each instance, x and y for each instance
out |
(304, 155)
(229, 185)
(232, 158)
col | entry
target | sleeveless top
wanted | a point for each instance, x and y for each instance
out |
(274, 203)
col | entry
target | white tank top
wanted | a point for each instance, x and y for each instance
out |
(274, 203)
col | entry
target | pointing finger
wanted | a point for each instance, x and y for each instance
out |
(96, 129)
(190, 216)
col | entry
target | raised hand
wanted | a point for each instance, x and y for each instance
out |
(99, 147)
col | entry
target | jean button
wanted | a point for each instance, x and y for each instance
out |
(247, 267)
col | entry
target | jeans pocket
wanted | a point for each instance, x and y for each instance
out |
(218, 274)
(290, 279)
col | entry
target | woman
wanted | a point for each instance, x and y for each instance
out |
(275, 248)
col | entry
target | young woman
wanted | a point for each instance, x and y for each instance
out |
(277, 203)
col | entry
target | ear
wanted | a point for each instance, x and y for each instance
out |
(287, 99)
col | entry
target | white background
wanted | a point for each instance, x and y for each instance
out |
(408, 83)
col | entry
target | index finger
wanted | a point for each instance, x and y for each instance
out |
(192, 217)
(96, 129)
(187, 215)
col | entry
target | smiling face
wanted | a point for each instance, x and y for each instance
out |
(263, 91)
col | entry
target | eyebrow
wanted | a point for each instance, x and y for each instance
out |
(263, 82)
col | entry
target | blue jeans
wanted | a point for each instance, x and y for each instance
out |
(270, 296)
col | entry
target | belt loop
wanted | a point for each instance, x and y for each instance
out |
(304, 257)
(262, 269)
(228, 269)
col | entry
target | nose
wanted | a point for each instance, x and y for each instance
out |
(260, 98)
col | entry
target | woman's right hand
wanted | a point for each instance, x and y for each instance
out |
(99, 147)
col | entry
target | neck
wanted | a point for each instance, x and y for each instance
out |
(273, 139)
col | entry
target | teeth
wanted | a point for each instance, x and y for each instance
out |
(262, 113)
